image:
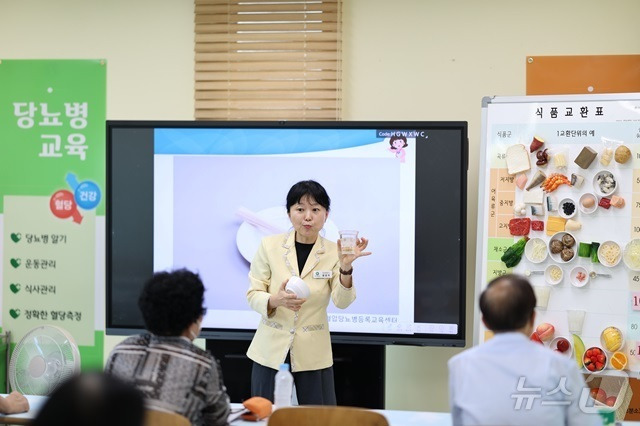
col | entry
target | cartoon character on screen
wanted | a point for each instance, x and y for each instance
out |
(398, 144)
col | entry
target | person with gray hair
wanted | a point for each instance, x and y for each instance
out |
(510, 380)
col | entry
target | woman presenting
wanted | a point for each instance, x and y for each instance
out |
(293, 329)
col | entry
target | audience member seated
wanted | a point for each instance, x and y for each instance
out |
(14, 403)
(173, 374)
(510, 380)
(93, 399)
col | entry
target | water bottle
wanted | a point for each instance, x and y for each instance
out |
(283, 389)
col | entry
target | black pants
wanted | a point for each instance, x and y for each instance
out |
(314, 387)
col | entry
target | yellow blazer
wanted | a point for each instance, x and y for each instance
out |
(305, 334)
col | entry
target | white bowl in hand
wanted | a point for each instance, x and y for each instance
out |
(297, 286)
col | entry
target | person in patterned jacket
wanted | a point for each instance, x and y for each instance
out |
(173, 374)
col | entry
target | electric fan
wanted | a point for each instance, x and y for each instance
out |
(44, 358)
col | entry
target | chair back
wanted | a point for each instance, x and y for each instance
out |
(326, 415)
(162, 418)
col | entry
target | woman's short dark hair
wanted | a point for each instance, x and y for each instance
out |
(507, 303)
(309, 188)
(398, 138)
(171, 301)
(94, 398)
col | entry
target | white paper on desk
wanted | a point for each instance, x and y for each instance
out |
(235, 414)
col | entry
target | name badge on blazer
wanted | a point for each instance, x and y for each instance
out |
(322, 274)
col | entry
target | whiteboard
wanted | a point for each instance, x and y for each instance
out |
(566, 124)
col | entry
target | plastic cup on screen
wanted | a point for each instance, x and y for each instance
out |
(542, 296)
(576, 320)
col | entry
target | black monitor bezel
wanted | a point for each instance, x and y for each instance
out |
(424, 339)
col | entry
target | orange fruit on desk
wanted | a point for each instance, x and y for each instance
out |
(618, 361)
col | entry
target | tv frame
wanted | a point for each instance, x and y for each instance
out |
(423, 339)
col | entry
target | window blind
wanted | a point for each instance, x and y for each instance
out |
(267, 60)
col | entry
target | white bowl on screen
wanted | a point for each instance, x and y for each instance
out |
(579, 276)
(631, 255)
(597, 187)
(549, 278)
(528, 250)
(614, 246)
(248, 237)
(556, 256)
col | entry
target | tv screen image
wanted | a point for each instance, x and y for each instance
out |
(202, 195)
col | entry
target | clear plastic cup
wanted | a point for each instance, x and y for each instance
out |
(542, 296)
(576, 320)
(348, 241)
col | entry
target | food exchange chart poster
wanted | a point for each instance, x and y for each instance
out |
(52, 162)
(559, 202)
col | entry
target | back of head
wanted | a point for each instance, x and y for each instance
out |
(508, 303)
(93, 399)
(171, 301)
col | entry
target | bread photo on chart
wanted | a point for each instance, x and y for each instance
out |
(517, 159)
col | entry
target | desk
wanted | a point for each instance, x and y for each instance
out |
(395, 417)
(410, 418)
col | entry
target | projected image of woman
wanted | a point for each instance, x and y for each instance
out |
(292, 329)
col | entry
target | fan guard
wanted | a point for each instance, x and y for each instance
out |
(44, 358)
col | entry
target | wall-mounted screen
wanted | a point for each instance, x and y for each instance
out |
(202, 195)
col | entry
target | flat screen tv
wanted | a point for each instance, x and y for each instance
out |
(201, 195)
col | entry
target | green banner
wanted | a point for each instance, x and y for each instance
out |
(52, 166)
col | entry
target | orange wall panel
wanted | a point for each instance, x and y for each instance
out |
(554, 75)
